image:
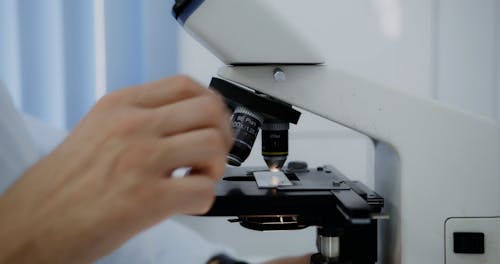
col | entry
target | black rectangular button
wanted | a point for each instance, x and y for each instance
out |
(468, 242)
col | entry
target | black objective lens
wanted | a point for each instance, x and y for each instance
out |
(246, 125)
(275, 143)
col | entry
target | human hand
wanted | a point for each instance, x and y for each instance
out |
(110, 178)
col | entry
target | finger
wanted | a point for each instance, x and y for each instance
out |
(166, 91)
(195, 113)
(228, 130)
(204, 150)
(188, 195)
(226, 121)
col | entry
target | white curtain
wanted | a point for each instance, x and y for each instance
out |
(58, 56)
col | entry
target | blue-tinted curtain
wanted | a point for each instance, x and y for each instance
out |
(141, 41)
(48, 52)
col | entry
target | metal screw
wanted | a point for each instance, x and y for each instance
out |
(279, 74)
(337, 182)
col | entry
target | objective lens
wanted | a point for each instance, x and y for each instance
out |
(275, 143)
(246, 124)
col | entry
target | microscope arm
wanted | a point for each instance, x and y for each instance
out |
(433, 163)
(437, 168)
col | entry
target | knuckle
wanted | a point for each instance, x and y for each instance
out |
(187, 86)
(183, 79)
(213, 110)
(216, 161)
(214, 138)
(134, 155)
(130, 124)
(125, 127)
(219, 167)
(207, 206)
(221, 104)
(187, 91)
(113, 98)
(145, 193)
(221, 100)
(207, 195)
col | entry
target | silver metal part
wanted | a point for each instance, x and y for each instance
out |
(380, 216)
(233, 160)
(279, 75)
(271, 179)
(275, 126)
(273, 220)
(243, 110)
(275, 162)
(328, 246)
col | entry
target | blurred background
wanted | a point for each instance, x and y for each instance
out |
(58, 57)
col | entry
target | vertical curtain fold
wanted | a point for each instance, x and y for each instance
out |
(48, 53)
(123, 24)
(141, 42)
(9, 49)
(160, 40)
(42, 64)
(79, 59)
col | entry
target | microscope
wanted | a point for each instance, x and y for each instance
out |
(437, 169)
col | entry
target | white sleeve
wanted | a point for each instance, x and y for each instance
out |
(17, 150)
(45, 136)
(167, 242)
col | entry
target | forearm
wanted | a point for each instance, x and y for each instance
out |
(17, 241)
(21, 237)
(33, 228)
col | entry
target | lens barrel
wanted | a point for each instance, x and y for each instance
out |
(275, 143)
(246, 124)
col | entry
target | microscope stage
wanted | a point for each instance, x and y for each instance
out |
(316, 195)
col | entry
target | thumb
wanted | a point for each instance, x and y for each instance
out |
(189, 195)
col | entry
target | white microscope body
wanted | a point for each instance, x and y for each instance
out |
(437, 168)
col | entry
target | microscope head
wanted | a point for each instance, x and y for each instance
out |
(243, 33)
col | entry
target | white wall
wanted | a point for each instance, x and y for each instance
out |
(447, 49)
(468, 55)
